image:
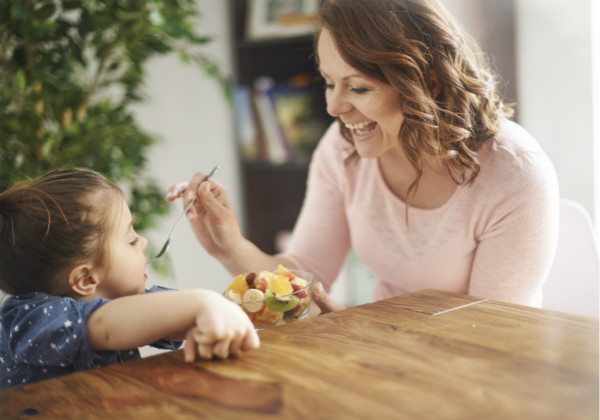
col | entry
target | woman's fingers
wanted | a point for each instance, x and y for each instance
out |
(209, 200)
(205, 200)
(176, 191)
(323, 301)
(197, 179)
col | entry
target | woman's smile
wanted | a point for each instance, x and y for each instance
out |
(361, 130)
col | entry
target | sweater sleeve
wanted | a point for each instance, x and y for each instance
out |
(321, 240)
(518, 233)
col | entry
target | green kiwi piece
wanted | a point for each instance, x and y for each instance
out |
(290, 301)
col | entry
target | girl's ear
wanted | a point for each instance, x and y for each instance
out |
(434, 84)
(83, 280)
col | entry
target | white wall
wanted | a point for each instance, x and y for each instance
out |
(555, 85)
(595, 35)
(189, 112)
(554, 78)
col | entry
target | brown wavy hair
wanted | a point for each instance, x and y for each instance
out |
(399, 42)
(50, 224)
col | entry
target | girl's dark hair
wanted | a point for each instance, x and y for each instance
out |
(399, 42)
(49, 225)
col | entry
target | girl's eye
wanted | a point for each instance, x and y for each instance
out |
(135, 241)
(328, 86)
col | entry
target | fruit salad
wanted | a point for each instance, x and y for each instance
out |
(272, 298)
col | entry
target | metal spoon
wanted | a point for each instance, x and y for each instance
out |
(168, 241)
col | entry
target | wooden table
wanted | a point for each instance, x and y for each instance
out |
(426, 355)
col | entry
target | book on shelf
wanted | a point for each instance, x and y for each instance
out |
(278, 122)
(277, 149)
(247, 131)
(301, 121)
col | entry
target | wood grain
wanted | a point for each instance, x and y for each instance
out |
(392, 359)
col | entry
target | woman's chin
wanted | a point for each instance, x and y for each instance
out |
(367, 148)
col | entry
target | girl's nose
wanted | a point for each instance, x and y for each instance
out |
(336, 103)
(144, 242)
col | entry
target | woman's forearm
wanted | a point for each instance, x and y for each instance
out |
(247, 257)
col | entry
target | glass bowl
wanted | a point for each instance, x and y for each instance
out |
(267, 308)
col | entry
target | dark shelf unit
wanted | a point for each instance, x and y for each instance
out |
(273, 193)
(274, 196)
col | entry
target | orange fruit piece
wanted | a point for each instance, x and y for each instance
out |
(270, 316)
(284, 272)
(238, 283)
(280, 285)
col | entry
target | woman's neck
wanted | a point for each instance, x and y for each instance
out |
(435, 186)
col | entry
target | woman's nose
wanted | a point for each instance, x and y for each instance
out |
(336, 103)
(144, 242)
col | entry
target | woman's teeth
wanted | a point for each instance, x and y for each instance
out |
(362, 128)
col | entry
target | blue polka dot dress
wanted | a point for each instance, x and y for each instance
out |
(43, 336)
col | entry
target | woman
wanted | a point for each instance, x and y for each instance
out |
(422, 173)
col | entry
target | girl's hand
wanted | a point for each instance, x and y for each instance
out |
(222, 329)
(212, 217)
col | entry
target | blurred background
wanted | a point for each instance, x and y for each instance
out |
(547, 52)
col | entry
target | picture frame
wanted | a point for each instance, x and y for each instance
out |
(269, 19)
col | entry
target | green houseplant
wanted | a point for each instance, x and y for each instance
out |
(70, 71)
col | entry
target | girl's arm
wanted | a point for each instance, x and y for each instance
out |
(219, 326)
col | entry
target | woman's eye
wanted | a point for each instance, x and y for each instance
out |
(135, 241)
(328, 85)
(359, 90)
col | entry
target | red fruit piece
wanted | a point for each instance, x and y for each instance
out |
(261, 283)
(301, 294)
(250, 279)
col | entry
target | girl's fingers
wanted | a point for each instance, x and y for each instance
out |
(236, 345)
(251, 340)
(221, 348)
(189, 347)
(205, 351)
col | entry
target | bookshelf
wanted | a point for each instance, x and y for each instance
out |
(272, 72)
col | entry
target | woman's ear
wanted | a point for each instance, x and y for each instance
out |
(434, 84)
(83, 280)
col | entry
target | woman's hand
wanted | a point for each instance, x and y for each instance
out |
(212, 217)
(216, 226)
(222, 329)
(324, 303)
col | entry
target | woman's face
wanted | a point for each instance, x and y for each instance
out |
(369, 108)
(126, 274)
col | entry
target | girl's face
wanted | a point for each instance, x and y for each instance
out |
(125, 275)
(369, 108)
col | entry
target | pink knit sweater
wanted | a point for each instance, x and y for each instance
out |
(494, 238)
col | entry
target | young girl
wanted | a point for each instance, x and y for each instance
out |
(74, 268)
